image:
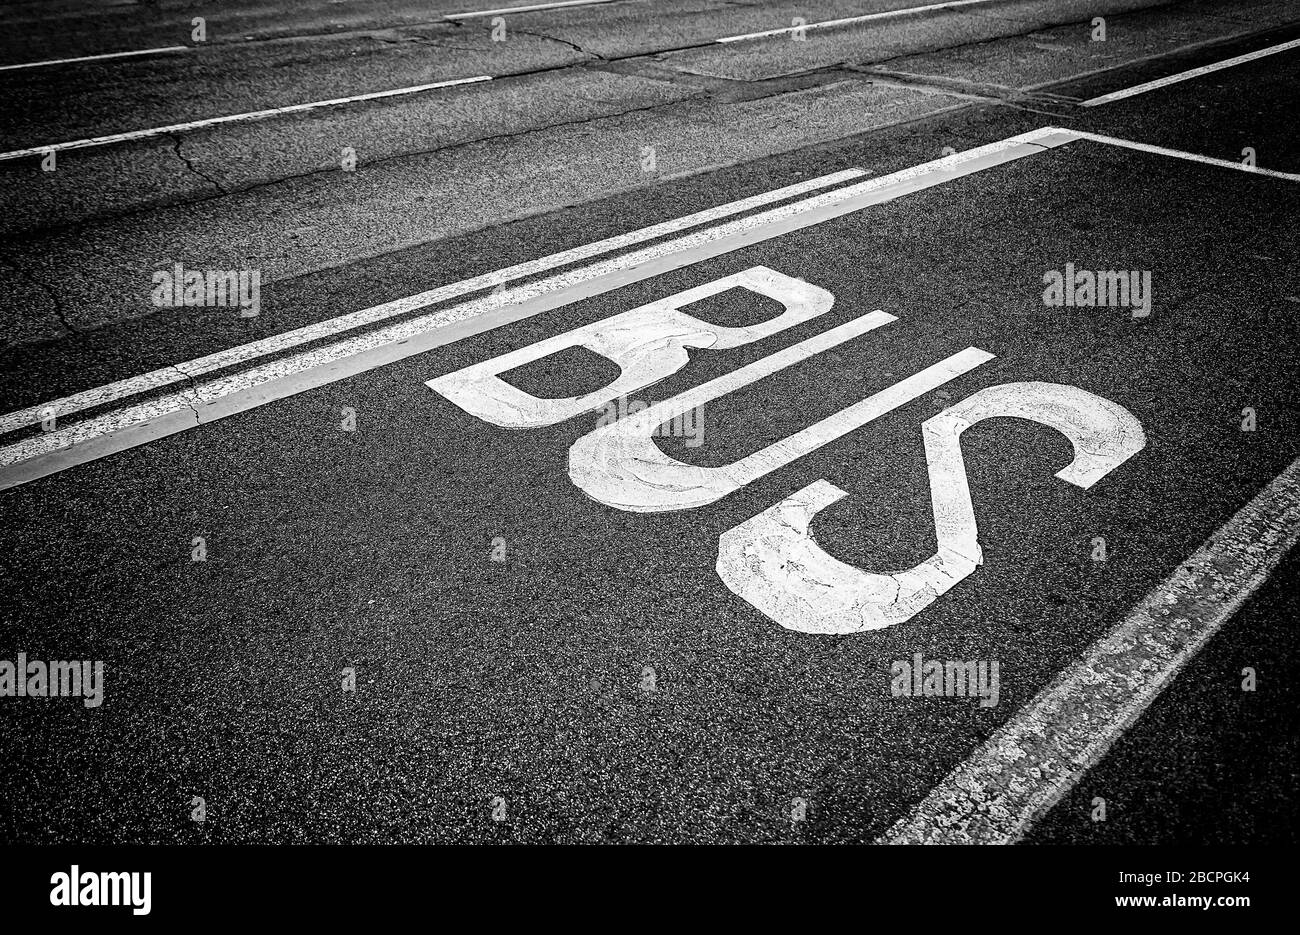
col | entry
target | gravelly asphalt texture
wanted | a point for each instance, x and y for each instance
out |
(526, 679)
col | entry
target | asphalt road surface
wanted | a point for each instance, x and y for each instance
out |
(336, 603)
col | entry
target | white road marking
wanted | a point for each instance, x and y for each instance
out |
(127, 427)
(1189, 74)
(772, 562)
(849, 20)
(648, 344)
(98, 58)
(1181, 154)
(1033, 760)
(230, 357)
(233, 118)
(620, 465)
(502, 11)
(138, 424)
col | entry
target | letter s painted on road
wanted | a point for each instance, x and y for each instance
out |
(773, 563)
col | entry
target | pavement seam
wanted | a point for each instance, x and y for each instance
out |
(1013, 99)
(839, 69)
(1003, 17)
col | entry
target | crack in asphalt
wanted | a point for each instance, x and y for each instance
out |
(57, 304)
(572, 45)
(176, 139)
(190, 391)
(257, 186)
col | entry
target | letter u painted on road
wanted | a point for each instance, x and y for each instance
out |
(773, 563)
(621, 466)
(647, 343)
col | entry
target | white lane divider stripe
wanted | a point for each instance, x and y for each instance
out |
(1033, 760)
(850, 20)
(124, 428)
(165, 50)
(502, 11)
(1181, 154)
(1189, 74)
(112, 392)
(233, 118)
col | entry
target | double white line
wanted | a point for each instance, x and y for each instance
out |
(137, 424)
(288, 340)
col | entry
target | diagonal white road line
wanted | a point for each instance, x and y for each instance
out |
(1034, 759)
(1190, 73)
(852, 20)
(530, 8)
(165, 50)
(233, 118)
(124, 428)
(1180, 154)
(288, 340)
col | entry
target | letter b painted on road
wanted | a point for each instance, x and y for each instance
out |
(647, 343)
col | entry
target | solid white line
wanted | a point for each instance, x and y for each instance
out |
(1033, 760)
(1192, 73)
(233, 118)
(1181, 154)
(887, 14)
(134, 425)
(281, 342)
(97, 58)
(525, 9)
